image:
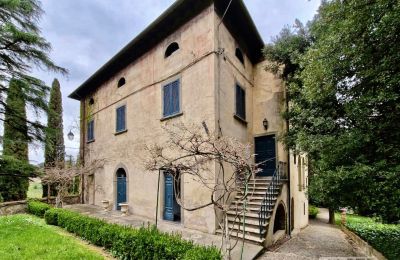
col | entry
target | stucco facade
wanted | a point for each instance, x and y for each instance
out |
(208, 70)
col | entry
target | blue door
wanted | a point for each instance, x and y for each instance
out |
(121, 187)
(169, 197)
(266, 154)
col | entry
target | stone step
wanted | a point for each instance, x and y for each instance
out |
(250, 208)
(248, 221)
(248, 214)
(256, 192)
(248, 237)
(255, 230)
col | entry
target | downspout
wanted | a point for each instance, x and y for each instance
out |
(158, 195)
(82, 147)
(288, 167)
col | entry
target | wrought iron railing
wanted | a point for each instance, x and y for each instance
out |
(268, 202)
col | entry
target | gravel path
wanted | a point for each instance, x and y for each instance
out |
(317, 240)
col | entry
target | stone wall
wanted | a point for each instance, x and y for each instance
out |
(16, 207)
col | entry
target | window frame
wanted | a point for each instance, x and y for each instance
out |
(118, 131)
(236, 114)
(88, 140)
(165, 116)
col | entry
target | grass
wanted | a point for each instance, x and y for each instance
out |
(35, 189)
(28, 237)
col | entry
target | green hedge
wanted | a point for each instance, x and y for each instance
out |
(38, 208)
(312, 211)
(383, 237)
(129, 243)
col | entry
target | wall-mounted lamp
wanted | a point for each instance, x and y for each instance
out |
(70, 135)
(265, 123)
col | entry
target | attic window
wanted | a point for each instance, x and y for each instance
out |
(121, 82)
(91, 101)
(173, 47)
(239, 55)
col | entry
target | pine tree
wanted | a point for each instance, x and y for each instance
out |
(22, 49)
(54, 141)
(15, 145)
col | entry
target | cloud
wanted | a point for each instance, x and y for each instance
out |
(86, 34)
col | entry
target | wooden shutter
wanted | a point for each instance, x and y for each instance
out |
(175, 97)
(171, 99)
(240, 102)
(120, 119)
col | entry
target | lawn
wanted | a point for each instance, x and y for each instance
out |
(28, 237)
(35, 189)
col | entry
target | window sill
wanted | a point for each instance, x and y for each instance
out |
(121, 132)
(90, 141)
(171, 116)
(241, 120)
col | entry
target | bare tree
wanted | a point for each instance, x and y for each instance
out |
(63, 177)
(193, 150)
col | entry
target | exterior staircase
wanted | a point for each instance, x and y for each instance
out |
(262, 195)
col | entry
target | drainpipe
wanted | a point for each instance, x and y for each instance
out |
(288, 169)
(158, 193)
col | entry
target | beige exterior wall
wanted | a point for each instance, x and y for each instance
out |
(207, 94)
(193, 64)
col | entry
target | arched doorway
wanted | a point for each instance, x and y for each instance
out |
(280, 218)
(121, 187)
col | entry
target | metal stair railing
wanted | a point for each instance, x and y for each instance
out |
(268, 202)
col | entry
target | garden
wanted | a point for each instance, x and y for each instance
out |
(383, 237)
(29, 237)
(120, 241)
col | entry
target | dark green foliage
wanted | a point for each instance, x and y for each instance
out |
(13, 181)
(22, 49)
(128, 243)
(343, 79)
(383, 237)
(38, 208)
(312, 211)
(54, 140)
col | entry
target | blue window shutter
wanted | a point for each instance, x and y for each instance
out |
(120, 119)
(90, 130)
(123, 126)
(175, 97)
(167, 100)
(240, 102)
(171, 98)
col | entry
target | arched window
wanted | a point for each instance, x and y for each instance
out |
(173, 47)
(91, 101)
(239, 55)
(121, 82)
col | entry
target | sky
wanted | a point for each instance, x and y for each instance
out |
(85, 34)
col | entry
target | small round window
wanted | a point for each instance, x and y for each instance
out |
(173, 47)
(121, 82)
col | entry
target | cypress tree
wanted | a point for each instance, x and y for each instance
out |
(15, 144)
(54, 140)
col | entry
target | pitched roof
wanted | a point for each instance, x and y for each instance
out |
(237, 20)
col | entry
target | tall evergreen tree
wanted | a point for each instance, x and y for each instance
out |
(54, 140)
(22, 48)
(14, 183)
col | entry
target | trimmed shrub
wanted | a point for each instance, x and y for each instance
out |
(201, 253)
(383, 237)
(128, 243)
(38, 208)
(312, 211)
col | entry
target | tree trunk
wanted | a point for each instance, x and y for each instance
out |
(331, 216)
